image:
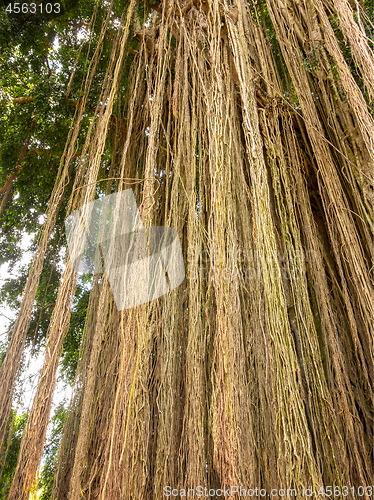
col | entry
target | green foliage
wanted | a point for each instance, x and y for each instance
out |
(48, 472)
(312, 57)
(38, 53)
(73, 338)
(12, 455)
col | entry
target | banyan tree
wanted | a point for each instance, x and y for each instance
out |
(246, 127)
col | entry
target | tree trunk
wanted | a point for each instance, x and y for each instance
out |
(7, 186)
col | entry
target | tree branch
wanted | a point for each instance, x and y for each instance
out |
(23, 100)
(7, 187)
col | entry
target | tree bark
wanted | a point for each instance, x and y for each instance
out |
(7, 187)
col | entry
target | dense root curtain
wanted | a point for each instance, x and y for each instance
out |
(258, 369)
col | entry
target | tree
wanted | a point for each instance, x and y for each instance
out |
(247, 127)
